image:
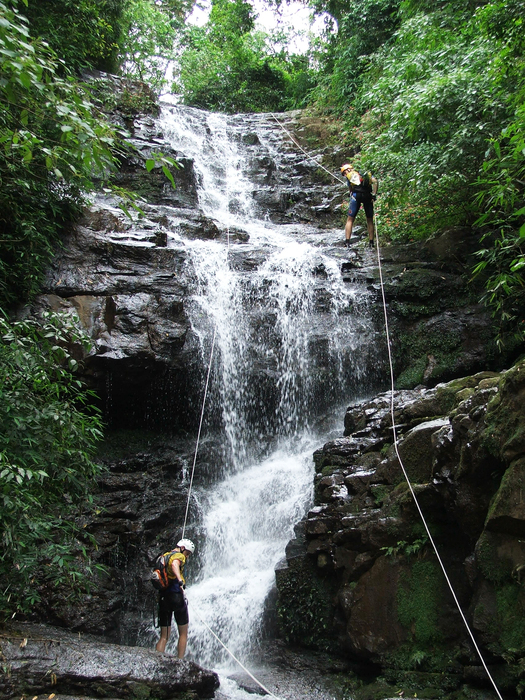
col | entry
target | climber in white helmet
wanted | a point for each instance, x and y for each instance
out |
(172, 601)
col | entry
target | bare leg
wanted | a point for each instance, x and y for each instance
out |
(370, 227)
(164, 636)
(183, 639)
(348, 228)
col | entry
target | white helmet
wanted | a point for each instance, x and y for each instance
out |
(186, 544)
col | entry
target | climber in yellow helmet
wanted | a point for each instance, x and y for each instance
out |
(363, 190)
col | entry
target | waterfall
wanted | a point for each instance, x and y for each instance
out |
(292, 341)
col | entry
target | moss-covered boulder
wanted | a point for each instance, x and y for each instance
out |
(462, 445)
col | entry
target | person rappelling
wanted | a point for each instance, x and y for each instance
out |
(363, 190)
(168, 578)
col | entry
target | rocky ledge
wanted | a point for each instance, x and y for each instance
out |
(38, 659)
(361, 577)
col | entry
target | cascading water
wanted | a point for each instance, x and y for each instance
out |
(291, 341)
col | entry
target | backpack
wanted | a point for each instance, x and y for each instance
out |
(159, 575)
(361, 182)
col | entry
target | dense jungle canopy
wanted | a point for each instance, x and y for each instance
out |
(428, 95)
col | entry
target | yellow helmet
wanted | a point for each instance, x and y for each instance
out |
(346, 166)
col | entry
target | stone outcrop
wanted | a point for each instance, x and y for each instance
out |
(438, 329)
(37, 659)
(364, 550)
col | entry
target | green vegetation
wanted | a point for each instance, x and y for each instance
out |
(48, 432)
(229, 67)
(56, 146)
(501, 196)
(406, 549)
(84, 33)
(149, 39)
(430, 97)
(303, 606)
(419, 600)
(53, 143)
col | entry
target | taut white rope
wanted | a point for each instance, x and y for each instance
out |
(431, 539)
(199, 431)
(308, 155)
(268, 692)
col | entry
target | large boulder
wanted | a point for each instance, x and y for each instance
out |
(38, 659)
(462, 446)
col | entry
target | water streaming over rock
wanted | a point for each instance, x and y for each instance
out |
(291, 341)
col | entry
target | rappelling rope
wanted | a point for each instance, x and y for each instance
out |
(207, 376)
(268, 692)
(199, 431)
(431, 539)
(308, 155)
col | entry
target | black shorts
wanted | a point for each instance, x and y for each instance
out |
(172, 603)
(358, 198)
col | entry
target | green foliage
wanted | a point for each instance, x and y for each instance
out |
(48, 433)
(500, 196)
(149, 42)
(52, 145)
(85, 33)
(228, 66)
(363, 27)
(430, 97)
(406, 549)
(128, 97)
(303, 606)
(418, 601)
(429, 108)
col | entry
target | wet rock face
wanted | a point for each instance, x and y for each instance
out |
(140, 505)
(462, 446)
(39, 659)
(130, 279)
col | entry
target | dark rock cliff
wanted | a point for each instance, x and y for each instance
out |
(361, 577)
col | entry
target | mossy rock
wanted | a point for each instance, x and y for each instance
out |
(504, 434)
(465, 394)
(507, 512)
(304, 611)
(419, 596)
(429, 286)
(329, 469)
(497, 555)
(416, 450)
